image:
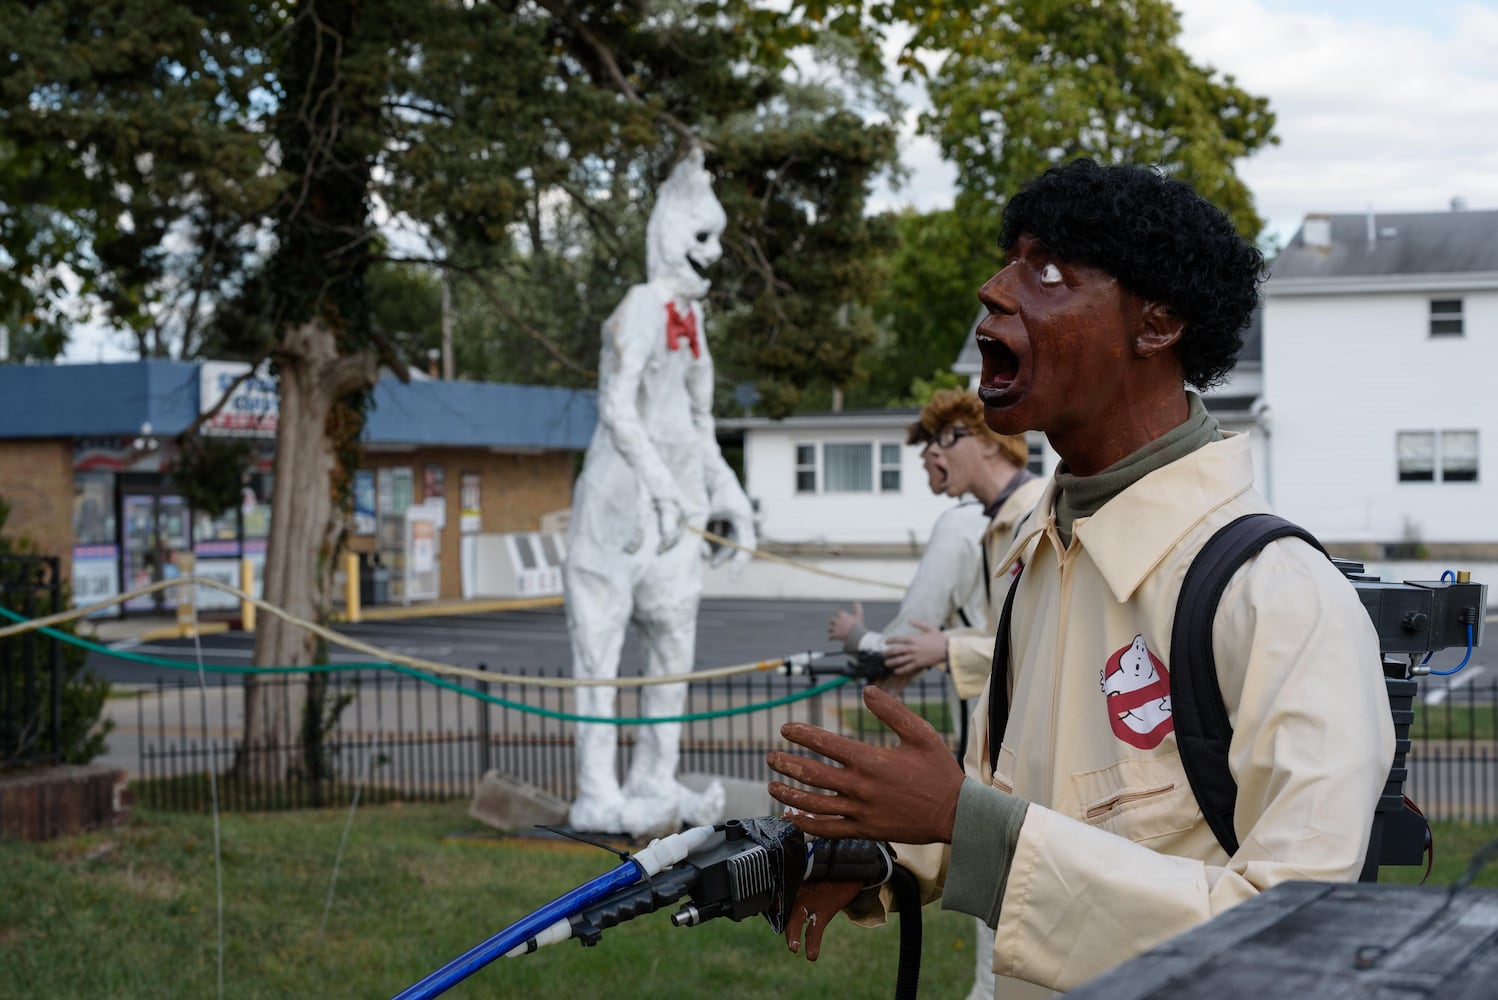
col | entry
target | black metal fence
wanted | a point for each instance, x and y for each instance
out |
(30, 664)
(400, 737)
(1453, 760)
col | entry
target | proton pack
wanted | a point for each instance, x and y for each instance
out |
(1411, 619)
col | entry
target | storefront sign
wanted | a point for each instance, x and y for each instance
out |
(96, 576)
(225, 571)
(253, 406)
(364, 502)
(423, 546)
(468, 503)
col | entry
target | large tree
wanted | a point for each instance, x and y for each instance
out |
(237, 174)
(1020, 85)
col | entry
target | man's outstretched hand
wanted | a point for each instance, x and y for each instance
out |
(907, 793)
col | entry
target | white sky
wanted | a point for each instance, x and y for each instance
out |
(1381, 103)
(1391, 104)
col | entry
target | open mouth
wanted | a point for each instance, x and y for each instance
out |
(1000, 368)
(701, 269)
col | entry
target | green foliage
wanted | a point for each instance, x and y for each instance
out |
(209, 472)
(926, 307)
(1024, 84)
(803, 260)
(83, 727)
(1017, 86)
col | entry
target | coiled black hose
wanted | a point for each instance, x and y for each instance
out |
(908, 901)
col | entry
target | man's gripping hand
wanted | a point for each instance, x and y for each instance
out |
(906, 794)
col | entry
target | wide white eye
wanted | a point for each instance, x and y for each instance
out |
(1050, 275)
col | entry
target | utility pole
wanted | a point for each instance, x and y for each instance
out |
(447, 330)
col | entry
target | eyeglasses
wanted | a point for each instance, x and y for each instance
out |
(948, 436)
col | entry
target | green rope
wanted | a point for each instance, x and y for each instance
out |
(326, 668)
(636, 721)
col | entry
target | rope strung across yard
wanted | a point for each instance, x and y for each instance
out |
(384, 655)
(807, 567)
(25, 625)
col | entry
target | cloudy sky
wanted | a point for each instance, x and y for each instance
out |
(1382, 103)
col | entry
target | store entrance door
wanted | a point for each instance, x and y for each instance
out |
(156, 530)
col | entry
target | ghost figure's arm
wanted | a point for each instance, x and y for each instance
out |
(725, 497)
(633, 331)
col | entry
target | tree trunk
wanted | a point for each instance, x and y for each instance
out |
(308, 520)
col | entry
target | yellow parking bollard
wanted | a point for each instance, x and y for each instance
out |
(186, 594)
(246, 584)
(351, 585)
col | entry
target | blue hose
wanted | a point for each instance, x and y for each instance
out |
(521, 931)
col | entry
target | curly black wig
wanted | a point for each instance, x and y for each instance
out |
(1161, 240)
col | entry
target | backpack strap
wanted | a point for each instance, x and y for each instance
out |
(998, 678)
(1203, 731)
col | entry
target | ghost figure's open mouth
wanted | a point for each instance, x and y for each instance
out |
(1001, 369)
(700, 269)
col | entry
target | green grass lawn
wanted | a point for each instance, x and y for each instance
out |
(130, 912)
(1455, 722)
(1455, 845)
(857, 719)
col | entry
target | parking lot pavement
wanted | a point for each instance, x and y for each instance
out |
(729, 631)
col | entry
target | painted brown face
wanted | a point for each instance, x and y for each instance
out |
(1056, 345)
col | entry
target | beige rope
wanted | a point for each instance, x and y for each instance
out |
(418, 662)
(770, 557)
(437, 667)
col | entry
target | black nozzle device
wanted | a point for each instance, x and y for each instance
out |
(868, 666)
(756, 868)
(749, 866)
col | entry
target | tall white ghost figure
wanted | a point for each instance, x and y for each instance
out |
(652, 468)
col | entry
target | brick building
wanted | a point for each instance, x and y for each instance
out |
(84, 451)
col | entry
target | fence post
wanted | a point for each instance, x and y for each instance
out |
(485, 751)
(54, 656)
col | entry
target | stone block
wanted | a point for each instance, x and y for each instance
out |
(507, 804)
(59, 801)
(741, 798)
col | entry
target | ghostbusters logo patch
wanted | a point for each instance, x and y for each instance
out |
(1137, 686)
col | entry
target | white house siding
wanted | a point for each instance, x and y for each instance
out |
(1343, 374)
(881, 518)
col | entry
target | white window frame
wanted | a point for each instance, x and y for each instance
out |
(1452, 456)
(1450, 321)
(888, 466)
(801, 448)
(880, 464)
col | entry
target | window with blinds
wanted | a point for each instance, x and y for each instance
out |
(848, 467)
(1437, 456)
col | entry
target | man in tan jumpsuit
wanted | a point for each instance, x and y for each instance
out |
(1084, 846)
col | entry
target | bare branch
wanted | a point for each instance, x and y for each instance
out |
(531, 332)
(202, 418)
(566, 13)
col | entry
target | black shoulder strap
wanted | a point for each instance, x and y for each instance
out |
(1202, 729)
(998, 678)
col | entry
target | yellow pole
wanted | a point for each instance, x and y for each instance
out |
(351, 585)
(247, 584)
(186, 595)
